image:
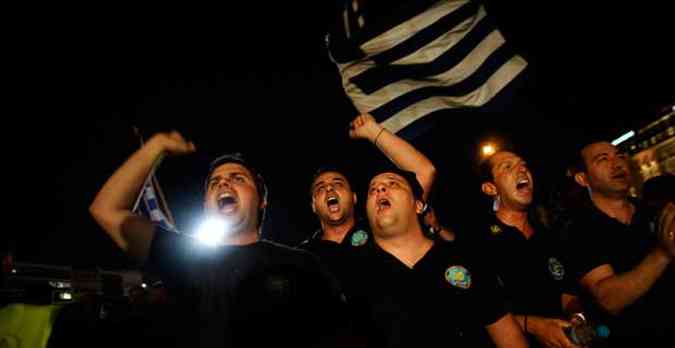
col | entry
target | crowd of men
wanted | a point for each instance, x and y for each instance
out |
(391, 279)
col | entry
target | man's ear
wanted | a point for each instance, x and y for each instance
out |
(489, 188)
(313, 205)
(354, 196)
(581, 179)
(263, 204)
(419, 206)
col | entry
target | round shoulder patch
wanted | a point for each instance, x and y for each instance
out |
(359, 238)
(458, 276)
(556, 268)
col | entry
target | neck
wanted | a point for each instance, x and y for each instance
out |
(517, 219)
(618, 208)
(245, 238)
(337, 233)
(407, 247)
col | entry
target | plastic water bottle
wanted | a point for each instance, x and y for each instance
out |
(583, 333)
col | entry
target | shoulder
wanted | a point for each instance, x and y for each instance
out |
(285, 254)
(584, 220)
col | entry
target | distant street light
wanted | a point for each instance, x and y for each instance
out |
(488, 150)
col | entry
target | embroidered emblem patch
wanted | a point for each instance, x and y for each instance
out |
(556, 268)
(458, 276)
(359, 238)
(495, 229)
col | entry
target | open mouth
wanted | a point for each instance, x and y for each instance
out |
(383, 204)
(523, 184)
(226, 201)
(620, 175)
(333, 204)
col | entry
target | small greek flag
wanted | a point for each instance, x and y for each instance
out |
(151, 203)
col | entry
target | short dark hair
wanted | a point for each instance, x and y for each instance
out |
(410, 177)
(328, 169)
(576, 163)
(484, 167)
(659, 188)
(238, 158)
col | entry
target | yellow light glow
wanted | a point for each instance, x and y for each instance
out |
(488, 149)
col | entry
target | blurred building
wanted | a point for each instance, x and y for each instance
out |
(51, 284)
(653, 147)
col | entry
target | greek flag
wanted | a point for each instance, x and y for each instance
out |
(407, 59)
(151, 203)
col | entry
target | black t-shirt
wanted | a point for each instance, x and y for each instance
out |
(595, 239)
(253, 295)
(446, 298)
(531, 270)
(335, 255)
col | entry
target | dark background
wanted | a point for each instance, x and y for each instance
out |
(256, 78)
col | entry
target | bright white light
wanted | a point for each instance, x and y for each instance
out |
(66, 296)
(144, 285)
(212, 231)
(13, 270)
(623, 138)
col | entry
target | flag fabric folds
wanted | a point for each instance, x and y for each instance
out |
(407, 59)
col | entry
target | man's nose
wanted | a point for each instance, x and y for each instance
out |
(224, 182)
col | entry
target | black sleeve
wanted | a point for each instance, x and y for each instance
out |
(584, 248)
(171, 257)
(487, 299)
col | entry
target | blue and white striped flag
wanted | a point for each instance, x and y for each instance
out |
(403, 60)
(151, 203)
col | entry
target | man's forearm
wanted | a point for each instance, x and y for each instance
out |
(114, 201)
(618, 291)
(407, 157)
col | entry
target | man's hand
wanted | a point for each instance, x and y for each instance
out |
(550, 332)
(171, 143)
(364, 127)
(666, 228)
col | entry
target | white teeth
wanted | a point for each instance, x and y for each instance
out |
(224, 195)
(523, 181)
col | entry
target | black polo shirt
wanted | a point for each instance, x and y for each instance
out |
(531, 270)
(252, 295)
(595, 239)
(333, 254)
(445, 299)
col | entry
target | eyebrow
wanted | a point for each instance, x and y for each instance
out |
(323, 182)
(503, 163)
(390, 177)
(237, 173)
(600, 155)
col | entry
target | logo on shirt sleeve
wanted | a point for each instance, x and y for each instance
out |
(495, 230)
(458, 276)
(556, 268)
(359, 238)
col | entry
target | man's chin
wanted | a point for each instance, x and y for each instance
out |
(336, 220)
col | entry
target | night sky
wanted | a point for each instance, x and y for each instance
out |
(256, 78)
